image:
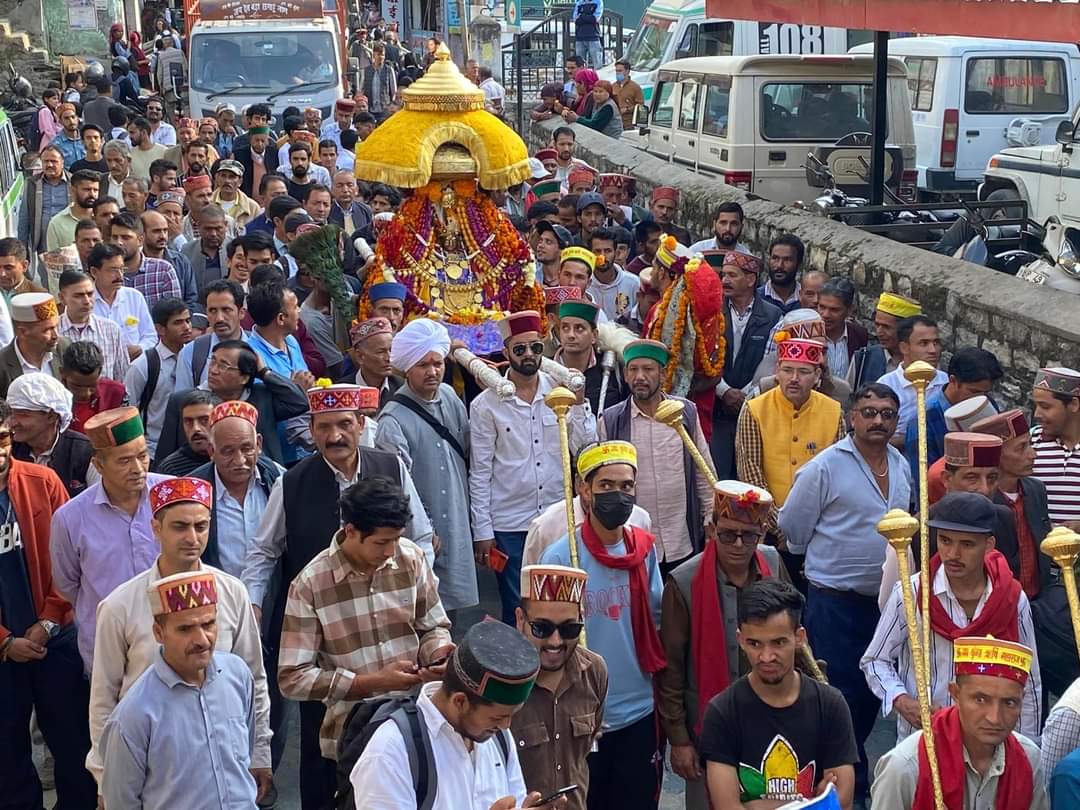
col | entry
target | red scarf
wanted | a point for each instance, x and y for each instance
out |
(999, 617)
(1015, 785)
(650, 652)
(708, 645)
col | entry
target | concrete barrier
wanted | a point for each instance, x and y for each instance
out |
(1025, 326)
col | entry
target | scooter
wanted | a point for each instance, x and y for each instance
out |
(1059, 266)
(19, 102)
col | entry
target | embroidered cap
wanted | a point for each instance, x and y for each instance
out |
(327, 398)
(585, 310)
(543, 187)
(740, 502)
(800, 323)
(553, 583)
(744, 261)
(579, 254)
(898, 306)
(986, 655)
(556, 295)
(372, 326)
(185, 591)
(32, 307)
(670, 251)
(179, 490)
(799, 350)
(665, 193)
(1057, 380)
(196, 182)
(236, 407)
(602, 454)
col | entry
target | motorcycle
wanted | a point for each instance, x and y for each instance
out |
(1059, 266)
(19, 102)
(969, 236)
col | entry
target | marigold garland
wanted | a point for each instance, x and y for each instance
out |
(682, 309)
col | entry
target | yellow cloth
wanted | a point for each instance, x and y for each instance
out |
(790, 438)
(898, 306)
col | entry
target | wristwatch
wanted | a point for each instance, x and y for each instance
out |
(52, 628)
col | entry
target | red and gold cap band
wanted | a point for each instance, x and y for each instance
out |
(986, 655)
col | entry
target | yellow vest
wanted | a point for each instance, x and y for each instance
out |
(791, 438)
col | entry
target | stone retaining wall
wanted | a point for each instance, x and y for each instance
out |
(1027, 327)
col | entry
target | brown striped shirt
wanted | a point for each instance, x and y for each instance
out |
(340, 624)
(1058, 467)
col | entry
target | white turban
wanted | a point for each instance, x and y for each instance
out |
(415, 340)
(41, 392)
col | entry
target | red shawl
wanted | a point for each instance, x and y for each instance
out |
(650, 652)
(708, 645)
(999, 617)
(1015, 786)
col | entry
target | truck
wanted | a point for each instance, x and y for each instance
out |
(280, 52)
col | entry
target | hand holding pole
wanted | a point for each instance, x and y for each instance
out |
(1063, 546)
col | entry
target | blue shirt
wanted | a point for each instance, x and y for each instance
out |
(71, 149)
(1065, 783)
(832, 512)
(284, 363)
(935, 434)
(237, 522)
(608, 628)
(169, 743)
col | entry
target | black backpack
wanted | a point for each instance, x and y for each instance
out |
(362, 722)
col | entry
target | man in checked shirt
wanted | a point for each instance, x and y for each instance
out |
(363, 618)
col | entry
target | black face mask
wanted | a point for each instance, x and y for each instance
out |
(612, 509)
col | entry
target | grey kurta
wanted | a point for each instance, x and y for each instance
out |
(442, 481)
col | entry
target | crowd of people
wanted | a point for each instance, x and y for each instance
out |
(221, 493)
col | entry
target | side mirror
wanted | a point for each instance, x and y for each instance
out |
(1064, 133)
(641, 118)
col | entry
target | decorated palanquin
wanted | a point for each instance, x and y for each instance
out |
(459, 257)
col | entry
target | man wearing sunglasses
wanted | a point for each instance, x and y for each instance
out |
(701, 595)
(516, 470)
(556, 728)
(622, 614)
(831, 516)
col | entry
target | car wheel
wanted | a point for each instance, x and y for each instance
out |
(1004, 196)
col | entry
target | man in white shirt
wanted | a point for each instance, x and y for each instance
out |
(612, 288)
(494, 94)
(918, 339)
(464, 717)
(78, 322)
(161, 131)
(727, 228)
(342, 120)
(124, 306)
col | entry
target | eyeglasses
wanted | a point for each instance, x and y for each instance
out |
(224, 365)
(521, 349)
(728, 538)
(887, 414)
(543, 628)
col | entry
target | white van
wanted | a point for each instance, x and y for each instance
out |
(680, 29)
(750, 120)
(11, 176)
(968, 93)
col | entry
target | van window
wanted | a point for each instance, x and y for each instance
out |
(688, 106)
(921, 73)
(797, 111)
(1015, 85)
(662, 111)
(648, 47)
(716, 39)
(9, 160)
(716, 109)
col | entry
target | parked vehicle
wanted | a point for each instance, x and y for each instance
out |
(1059, 266)
(12, 182)
(972, 97)
(680, 29)
(786, 105)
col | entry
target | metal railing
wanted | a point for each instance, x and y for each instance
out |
(537, 56)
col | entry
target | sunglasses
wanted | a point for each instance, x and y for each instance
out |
(728, 538)
(543, 628)
(521, 349)
(888, 414)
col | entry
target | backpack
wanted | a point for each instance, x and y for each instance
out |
(200, 351)
(153, 371)
(365, 718)
(33, 131)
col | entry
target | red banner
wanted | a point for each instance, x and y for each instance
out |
(1051, 20)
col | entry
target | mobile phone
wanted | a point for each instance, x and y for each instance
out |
(497, 560)
(560, 792)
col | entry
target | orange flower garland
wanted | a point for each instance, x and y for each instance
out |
(684, 309)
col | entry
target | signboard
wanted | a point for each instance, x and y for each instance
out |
(453, 16)
(228, 10)
(1051, 20)
(393, 11)
(82, 15)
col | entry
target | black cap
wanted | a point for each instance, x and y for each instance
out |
(590, 198)
(964, 512)
(497, 663)
(562, 236)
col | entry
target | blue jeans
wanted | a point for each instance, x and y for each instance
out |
(591, 51)
(512, 544)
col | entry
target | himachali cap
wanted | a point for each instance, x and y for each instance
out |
(744, 261)
(1057, 380)
(583, 255)
(800, 323)
(580, 174)
(113, 427)
(179, 490)
(243, 410)
(385, 290)
(328, 398)
(186, 591)
(372, 326)
(519, 323)
(972, 450)
(547, 153)
(670, 251)
(963, 415)
(665, 193)
(714, 258)
(743, 503)
(975, 655)
(196, 182)
(649, 349)
(645, 277)
(602, 454)
(553, 583)
(1005, 426)
(33, 307)
(613, 180)
(345, 105)
(799, 350)
(186, 123)
(173, 195)
(585, 310)
(964, 512)
(590, 198)
(543, 187)
(556, 295)
(898, 306)
(497, 663)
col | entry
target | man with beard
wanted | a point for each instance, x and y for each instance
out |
(125, 647)
(302, 512)
(196, 160)
(301, 175)
(195, 407)
(207, 253)
(154, 278)
(678, 497)
(102, 537)
(727, 228)
(40, 669)
(622, 613)
(550, 241)
(161, 131)
(143, 149)
(225, 311)
(776, 735)
(514, 451)
(84, 193)
(163, 177)
(664, 204)
(37, 345)
(781, 289)
(67, 140)
(831, 516)
(41, 416)
(700, 617)
(156, 246)
(562, 719)
(578, 350)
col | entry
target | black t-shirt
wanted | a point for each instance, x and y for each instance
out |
(99, 166)
(779, 753)
(16, 599)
